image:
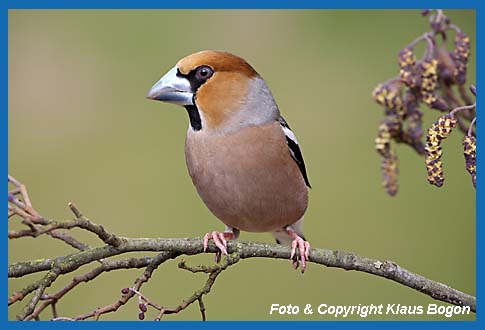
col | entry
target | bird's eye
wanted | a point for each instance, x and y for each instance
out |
(203, 72)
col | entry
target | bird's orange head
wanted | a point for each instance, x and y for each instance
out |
(220, 91)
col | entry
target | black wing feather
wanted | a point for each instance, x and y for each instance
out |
(295, 151)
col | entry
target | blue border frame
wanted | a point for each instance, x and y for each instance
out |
(238, 4)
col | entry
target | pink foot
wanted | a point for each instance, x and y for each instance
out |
(303, 247)
(220, 240)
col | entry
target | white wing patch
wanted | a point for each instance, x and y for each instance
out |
(289, 134)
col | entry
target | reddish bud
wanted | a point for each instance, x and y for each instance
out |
(473, 89)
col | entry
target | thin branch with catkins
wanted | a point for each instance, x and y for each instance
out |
(437, 80)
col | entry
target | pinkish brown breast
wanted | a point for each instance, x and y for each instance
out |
(248, 178)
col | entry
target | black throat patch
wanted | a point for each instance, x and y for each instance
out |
(194, 117)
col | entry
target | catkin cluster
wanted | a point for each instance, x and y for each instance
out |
(427, 81)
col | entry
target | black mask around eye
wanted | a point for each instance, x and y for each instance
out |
(198, 76)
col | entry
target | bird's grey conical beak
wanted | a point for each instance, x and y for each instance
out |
(172, 89)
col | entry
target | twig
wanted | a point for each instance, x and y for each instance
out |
(202, 308)
(157, 261)
(462, 108)
(68, 239)
(470, 129)
(197, 296)
(43, 284)
(106, 266)
(32, 218)
(83, 223)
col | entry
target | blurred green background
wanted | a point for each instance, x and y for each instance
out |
(81, 130)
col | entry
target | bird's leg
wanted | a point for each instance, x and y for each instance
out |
(303, 247)
(220, 240)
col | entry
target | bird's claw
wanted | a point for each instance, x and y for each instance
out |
(304, 249)
(219, 240)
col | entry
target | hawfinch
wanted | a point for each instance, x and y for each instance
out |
(244, 160)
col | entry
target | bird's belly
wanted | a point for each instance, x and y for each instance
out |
(254, 187)
(255, 204)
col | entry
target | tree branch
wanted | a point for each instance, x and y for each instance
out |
(169, 248)
(245, 250)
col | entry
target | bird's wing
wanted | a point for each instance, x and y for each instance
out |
(295, 151)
